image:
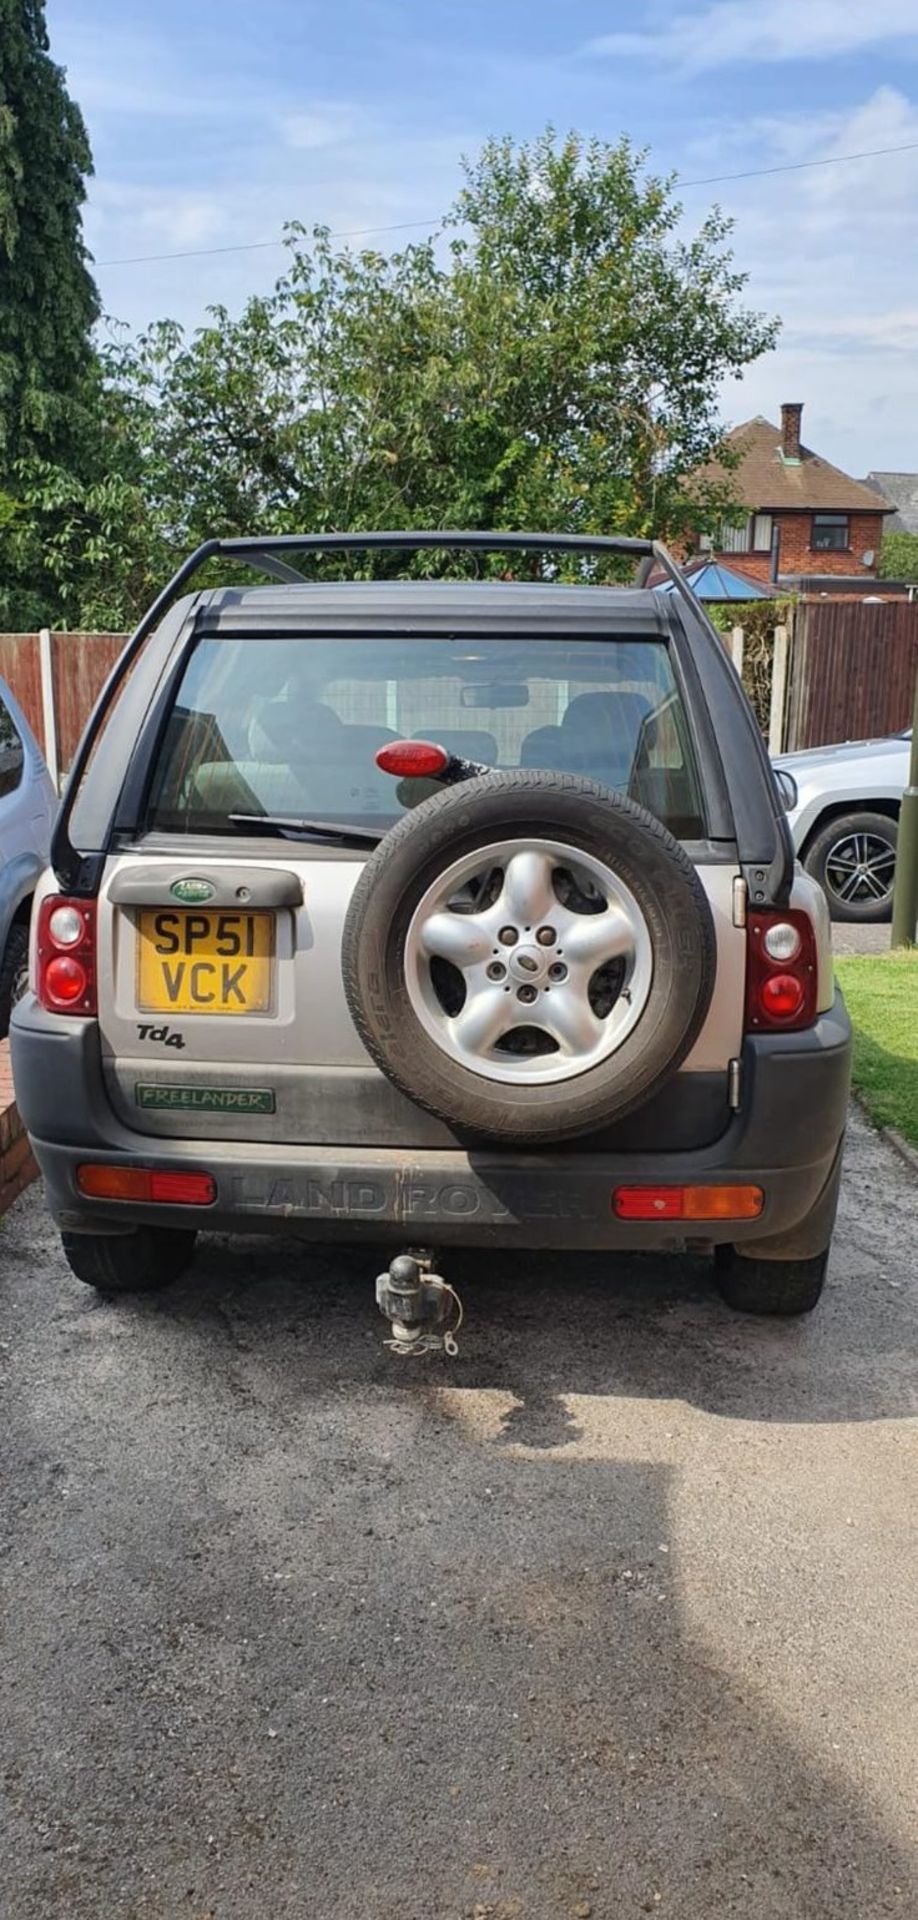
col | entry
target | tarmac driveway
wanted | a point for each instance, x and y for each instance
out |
(616, 1614)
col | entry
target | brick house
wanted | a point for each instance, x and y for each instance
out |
(804, 516)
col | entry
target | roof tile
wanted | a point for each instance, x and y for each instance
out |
(764, 481)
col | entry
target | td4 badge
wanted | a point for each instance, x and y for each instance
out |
(162, 1036)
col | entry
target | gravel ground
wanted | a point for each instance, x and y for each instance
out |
(614, 1615)
(853, 939)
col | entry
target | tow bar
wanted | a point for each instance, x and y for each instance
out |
(419, 1304)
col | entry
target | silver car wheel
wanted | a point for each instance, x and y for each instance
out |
(859, 868)
(528, 961)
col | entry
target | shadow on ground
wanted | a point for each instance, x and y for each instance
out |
(291, 1631)
(545, 1326)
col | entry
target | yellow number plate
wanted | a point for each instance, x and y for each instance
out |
(191, 962)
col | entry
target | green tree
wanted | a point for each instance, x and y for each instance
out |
(61, 490)
(551, 359)
(48, 300)
(899, 557)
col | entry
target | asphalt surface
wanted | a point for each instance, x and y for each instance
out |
(615, 1614)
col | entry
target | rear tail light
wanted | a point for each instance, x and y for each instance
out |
(688, 1203)
(147, 1185)
(781, 971)
(413, 759)
(66, 981)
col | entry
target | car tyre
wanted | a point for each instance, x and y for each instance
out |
(140, 1262)
(14, 973)
(877, 832)
(480, 816)
(777, 1287)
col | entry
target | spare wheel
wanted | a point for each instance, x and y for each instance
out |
(528, 956)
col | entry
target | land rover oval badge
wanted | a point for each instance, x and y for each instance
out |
(191, 892)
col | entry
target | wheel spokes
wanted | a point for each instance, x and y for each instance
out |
(528, 895)
(458, 937)
(481, 1022)
(570, 1020)
(595, 937)
(849, 886)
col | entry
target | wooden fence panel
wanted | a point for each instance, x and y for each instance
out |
(853, 667)
(81, 663)
(20, 667)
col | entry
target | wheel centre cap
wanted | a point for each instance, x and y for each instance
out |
(528, 963)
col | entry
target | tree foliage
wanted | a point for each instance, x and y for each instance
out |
(51, 418)
(550, 359)
(899, 557)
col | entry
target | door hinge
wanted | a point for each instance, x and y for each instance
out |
(740, 897)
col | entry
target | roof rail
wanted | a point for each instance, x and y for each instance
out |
(267, 553)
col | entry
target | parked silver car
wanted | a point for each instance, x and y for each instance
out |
(845, 823)
(432, 912)
(27, 807)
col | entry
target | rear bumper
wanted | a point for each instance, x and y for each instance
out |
(786, 1138)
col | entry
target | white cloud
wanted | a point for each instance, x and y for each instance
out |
(833, 251)
(324, 124)
(729, 31)
(145, 217)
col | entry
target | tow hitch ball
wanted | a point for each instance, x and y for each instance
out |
(424, 1310)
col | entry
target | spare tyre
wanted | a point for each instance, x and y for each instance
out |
(528, 956)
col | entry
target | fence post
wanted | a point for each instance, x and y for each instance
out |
(778, 691)
(737, 638)
(49, 717)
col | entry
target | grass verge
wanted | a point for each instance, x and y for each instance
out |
(882, 995)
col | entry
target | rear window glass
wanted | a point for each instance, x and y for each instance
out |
(292, 726)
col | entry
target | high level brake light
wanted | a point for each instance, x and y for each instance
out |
(66, 981)
(413, 759)
(781, 971)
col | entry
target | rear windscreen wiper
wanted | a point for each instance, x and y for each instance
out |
(295, 829)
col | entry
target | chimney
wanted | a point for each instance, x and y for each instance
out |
(790, 429)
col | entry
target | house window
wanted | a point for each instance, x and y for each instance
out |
(761, 533)
(830, 533)
(735, 539)
(754, 536)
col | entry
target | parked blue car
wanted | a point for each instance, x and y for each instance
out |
(27, 806)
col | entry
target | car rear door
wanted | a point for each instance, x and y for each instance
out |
(221, 1001)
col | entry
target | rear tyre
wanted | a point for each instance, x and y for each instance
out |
(140, 1262)
(528, 956)
(14, 974)
(854, 859)
(784, 1287)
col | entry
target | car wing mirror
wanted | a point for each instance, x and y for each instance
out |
(787, 788)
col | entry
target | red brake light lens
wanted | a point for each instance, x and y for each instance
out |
(781, 987)
(65, 980)
(782, 996)
(66, 955)
(412, 759)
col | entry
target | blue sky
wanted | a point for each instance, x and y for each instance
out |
(212, 122)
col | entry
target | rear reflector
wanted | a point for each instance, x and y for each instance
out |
(687, 1203)
(412, 759)
(147, 1185)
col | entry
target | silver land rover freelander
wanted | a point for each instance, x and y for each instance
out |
(432, 912)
